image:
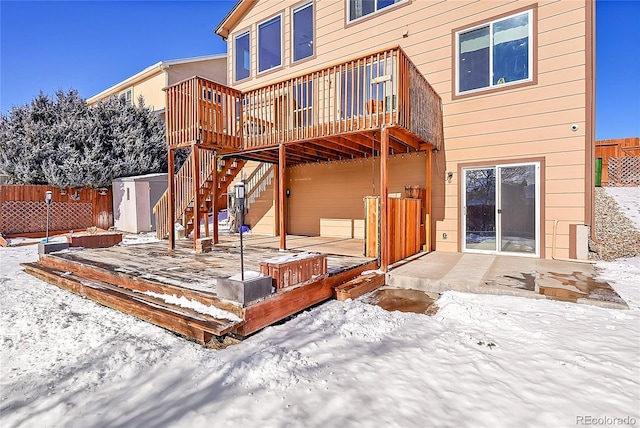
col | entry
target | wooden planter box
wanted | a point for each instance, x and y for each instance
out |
(97, 240)
(293, 269)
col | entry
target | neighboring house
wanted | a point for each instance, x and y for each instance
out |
(133, 215)
(150, 82)
(488, 107)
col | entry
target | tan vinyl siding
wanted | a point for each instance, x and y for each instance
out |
(213, 69)
(336, 190)
(151, 90)
(531, 121)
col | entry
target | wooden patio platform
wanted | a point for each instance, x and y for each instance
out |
(142, 279)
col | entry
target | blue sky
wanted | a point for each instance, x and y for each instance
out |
(89, 46)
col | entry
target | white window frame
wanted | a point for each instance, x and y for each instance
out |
(235, 55)
(375, 12)
(128, 96)
(278, 16)
(490, 24)
(498, 205)
(293, 12)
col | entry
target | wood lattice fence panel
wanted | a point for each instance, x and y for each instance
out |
(624, 171)
(31, 216)
(23, 209)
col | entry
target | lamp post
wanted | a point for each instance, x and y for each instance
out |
(48, 198)
(239, 191)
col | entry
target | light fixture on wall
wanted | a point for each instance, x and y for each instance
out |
(449, 176)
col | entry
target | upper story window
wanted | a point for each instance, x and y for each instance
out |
(496, 53)
(303, 29)
(360, 8)
(270, 44)
(242, 56)
(127, 96)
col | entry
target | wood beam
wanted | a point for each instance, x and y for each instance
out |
(282, 198)
(405, 137)
(384, 199)
(172, 200)
(289, 302)
(214, 200)
(365, 141)
(318, 152)
(196, 194)
(351, 150)
(429, 190)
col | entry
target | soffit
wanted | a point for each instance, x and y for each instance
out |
(239, 10)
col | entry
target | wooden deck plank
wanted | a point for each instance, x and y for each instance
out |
(359, 286)
(104, 274)
(115, 276)
(159, 315)
(207, 322)
(282, 305)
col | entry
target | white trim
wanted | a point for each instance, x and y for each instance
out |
(490, 25)
(497, 219)
(281, 18)
(375, 12)
(148, 72)
(234, 68)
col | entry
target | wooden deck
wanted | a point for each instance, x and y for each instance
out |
(136, 279)
(332, 113)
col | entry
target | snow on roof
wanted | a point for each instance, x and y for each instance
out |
(144, 177)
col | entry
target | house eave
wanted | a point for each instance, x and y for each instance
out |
(148, 72)
(234, 16)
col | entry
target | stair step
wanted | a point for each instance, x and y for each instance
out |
(185, 321)
(359, 286)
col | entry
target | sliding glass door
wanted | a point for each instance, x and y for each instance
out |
(501, 209)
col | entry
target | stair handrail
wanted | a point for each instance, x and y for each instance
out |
(254, 184)
(184, 194)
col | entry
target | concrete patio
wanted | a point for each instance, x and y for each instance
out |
(517, 276)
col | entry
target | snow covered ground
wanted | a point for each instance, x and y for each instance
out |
(481, 361)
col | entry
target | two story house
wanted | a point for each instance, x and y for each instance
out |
(150, 82)
(486, 109)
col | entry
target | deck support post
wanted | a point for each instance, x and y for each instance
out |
(196, 193)
(384, 198)
(282, 198)
(427, 214)
(214, 201)
(172, 200)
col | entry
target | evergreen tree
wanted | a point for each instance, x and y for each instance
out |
(65, 143)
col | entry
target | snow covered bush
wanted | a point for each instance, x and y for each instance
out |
(63, 142)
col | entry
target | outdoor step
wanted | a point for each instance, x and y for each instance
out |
(185, 321)
(65, 262)
(359, 286)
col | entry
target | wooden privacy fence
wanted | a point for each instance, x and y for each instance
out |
(624, 171)
(626, 168)
(23, 209)
(404, 229)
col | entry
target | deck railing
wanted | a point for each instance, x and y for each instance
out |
(363, 94)
(201, 110)
(184, 190)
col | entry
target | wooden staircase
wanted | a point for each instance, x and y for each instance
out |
(227, 170)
